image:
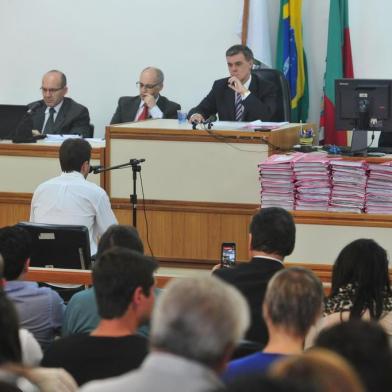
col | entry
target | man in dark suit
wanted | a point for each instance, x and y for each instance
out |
(271, 238)
(56, 114)
(241, 97)
(149, 104)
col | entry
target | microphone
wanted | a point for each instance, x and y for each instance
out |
(136, 161)
(33, 107)
(210, 119)
(95, 169)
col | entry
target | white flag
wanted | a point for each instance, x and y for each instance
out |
(258, 38)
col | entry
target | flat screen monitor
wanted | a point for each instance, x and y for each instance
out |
(10, 117)
(59, 246)
(363, 105)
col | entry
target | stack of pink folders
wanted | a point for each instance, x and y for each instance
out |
(349, 179)
(277, 181)
(379, 189)
(313, 185)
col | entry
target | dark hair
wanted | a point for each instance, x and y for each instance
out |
(294, 300)
(15, 247)
(120, 235)
(73, 153)
(364, 264)
(235, 49)
(116, 275)
(273, 231)
(366, 346)
(10, 349)
(62, 76)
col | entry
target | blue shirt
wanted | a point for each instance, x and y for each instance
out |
(257, 363)
(40, 309)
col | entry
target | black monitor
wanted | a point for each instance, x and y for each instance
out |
(363, 105)
(59, 246)
(10, 117)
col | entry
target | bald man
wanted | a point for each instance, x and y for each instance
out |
(56, 114)
(149, 103)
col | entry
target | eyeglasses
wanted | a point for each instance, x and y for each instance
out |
(147, 86)
(50, 90)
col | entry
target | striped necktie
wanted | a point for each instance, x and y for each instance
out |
(239, 107)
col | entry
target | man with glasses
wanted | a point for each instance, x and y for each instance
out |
(149, 104)
(55, 113)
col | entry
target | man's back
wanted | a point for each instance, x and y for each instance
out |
(251, 280)
(71, 199)
(95, 357)
(40, 309)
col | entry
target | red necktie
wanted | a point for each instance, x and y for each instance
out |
(143, 114)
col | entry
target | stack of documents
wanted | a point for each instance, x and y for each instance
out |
(313, 185)
(277, 181)
(379, 189)
(349, 179)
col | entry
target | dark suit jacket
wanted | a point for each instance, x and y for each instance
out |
(72, 118)
(259, 105)
(128, 107)
(252, 279)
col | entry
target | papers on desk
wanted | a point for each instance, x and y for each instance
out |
(246, 126)
(53, 138)
(265, 125)
(379, 189)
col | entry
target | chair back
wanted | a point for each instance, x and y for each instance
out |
(283, 106)
(58, 246)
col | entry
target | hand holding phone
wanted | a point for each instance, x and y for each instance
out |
(228, 254)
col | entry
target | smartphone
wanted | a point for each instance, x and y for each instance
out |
(228, 254)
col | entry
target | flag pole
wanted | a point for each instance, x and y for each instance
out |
(245, 20)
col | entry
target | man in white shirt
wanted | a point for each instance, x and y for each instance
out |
(149, 104)
(70, 199)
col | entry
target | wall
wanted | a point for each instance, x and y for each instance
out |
(102, 46)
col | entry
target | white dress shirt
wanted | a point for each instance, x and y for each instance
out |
(153, 112)
(72, 200)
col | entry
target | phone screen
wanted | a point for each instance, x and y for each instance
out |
(228, 254)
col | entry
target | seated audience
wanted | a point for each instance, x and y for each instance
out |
(319, 370)
(360, 287)
(195, 327)
(366, 347)
(40, 309)
(149, 104)
(81, 314)
(292, 304)
(70, 199)
(55, 113)
(124, 289)
(271, 238)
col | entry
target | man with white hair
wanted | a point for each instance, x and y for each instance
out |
(195, 327)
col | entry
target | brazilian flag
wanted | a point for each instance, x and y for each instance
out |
(290, 57)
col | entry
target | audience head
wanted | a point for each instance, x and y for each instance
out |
(15, 248)
(320, 370)
(120, 235)
(363, 264)
(124, 278)
(293, 301)
(150, 81)
(10, 349)
(272, 231)
(201, 319)
(365, 346)
(239, 61)
(75, 155)
(54, 87)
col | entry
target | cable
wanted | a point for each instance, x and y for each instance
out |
(145, 215)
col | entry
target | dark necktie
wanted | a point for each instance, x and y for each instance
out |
(49, 126)
(143, 114)
(239, 107)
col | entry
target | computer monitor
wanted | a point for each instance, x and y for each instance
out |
(10, 118)
(59, 246)
(363, 105)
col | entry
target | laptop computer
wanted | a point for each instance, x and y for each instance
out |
(10, 117)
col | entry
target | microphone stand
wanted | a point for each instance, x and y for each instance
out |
(135, 165)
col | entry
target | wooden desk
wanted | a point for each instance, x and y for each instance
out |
(25, 166)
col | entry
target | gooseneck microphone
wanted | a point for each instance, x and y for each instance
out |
(95, 169)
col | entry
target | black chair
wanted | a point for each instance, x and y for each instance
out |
(91, 131)
(283, 107)
(59, 246)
